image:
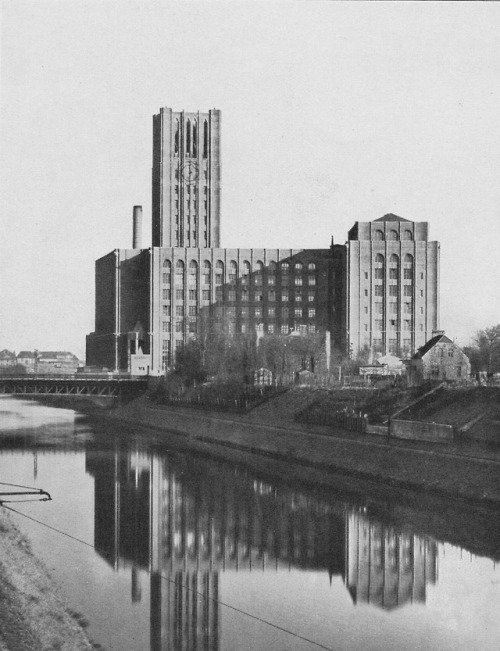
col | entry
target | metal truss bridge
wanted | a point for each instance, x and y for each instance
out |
(74, 385)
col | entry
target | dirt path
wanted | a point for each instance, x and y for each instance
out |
(33, 613)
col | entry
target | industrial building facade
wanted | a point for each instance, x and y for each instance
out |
(379, 292)
(392, 286)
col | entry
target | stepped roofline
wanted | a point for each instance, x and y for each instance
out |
(390, 217)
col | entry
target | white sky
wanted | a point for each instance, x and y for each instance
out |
(331, 113)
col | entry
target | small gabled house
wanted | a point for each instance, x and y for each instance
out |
(439, 359)
(27, 358)
(7, 358)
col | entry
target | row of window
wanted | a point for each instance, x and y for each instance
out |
(190, 138)
(245, 328)
(392, 308)
(231, 295)
(379, 324)
(394, 290)
(392, 235)
(394, 259)
(392, 325)
(392, 345)
(246, 266)
(258, 312)
(393, 274)
(258, 281)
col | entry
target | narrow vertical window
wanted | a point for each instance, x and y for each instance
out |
(176, 138)
(205, 139)
(195, 139)
(188, 138)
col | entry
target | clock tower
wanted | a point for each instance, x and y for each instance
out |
(186, 179)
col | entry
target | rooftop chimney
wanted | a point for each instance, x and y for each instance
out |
(137, 234)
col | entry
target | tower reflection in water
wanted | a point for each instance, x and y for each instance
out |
(185, 520)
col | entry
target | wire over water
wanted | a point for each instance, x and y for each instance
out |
(165, 578)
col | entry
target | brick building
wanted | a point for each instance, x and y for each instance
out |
(379, 291)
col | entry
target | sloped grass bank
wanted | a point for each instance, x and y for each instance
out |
(379, 404)
(33, 614)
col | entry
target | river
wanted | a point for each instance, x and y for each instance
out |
(158, 549)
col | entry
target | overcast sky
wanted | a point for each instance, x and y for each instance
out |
(331, 113)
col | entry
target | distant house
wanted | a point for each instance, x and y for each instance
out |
(57, 362)
(48, 362)
(439, 359)
(7, 358)
(27, 358)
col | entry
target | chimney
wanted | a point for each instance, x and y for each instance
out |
(137, 234)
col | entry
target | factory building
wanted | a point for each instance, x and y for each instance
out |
(379, 292)
(392, 286)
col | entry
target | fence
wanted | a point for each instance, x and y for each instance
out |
(350, 419)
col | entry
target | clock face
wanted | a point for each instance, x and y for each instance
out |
(190, 172)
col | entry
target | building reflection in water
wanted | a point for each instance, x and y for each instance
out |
(185, 520)
(385, 567)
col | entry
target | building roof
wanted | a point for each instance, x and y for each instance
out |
(391, 218)
(443, 339)
(7, 354)
(56, 354)
(26, 353)
(48, 354)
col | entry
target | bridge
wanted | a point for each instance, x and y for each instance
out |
(103, 386)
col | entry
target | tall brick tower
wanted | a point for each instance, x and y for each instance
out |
(186, 179)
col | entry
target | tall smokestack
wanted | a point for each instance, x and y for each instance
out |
(137, 235)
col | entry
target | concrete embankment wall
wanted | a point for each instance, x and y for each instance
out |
(418, 431)
(362, 457)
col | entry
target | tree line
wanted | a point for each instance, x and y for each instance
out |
(484, 351)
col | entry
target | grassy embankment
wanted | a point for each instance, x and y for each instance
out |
(33, 614)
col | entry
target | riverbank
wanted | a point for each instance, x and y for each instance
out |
(322, 451)
(33, 613)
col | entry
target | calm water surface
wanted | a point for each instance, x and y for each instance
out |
(158, 549)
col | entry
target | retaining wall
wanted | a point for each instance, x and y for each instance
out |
(419, 431)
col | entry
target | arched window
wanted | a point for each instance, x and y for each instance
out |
(205, 139)
(378, 235)
(272, 267)
(298, 267)
(206, 272)
(393, 235)
(176, 138)
(311, 266)
(219, 272)
(195, 139)
(408, 235)
(233, 271)
(379, 259)
(166, 264)
(193, 267)
(246, 268)
(179, 272)
(285, 267)
(188, 137)
(408, 267)
(393, 272)
(259, 270)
